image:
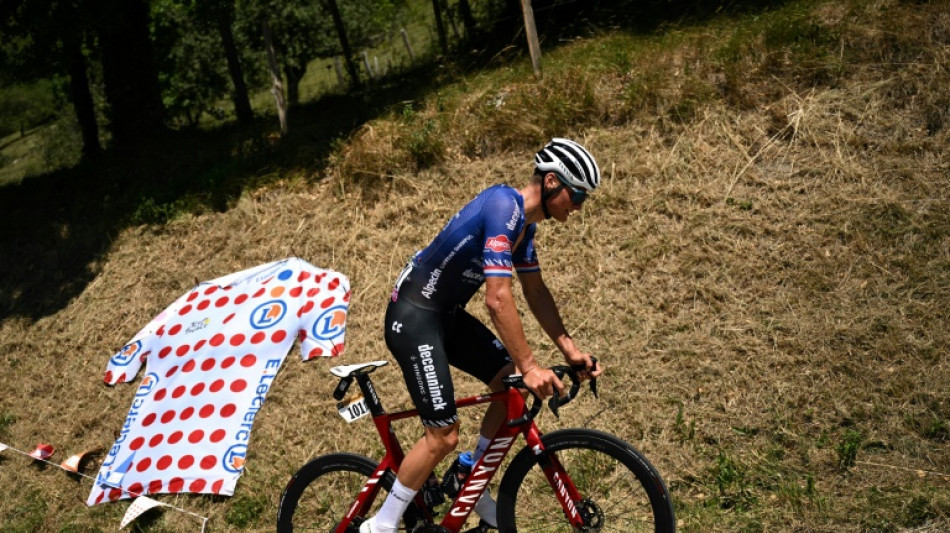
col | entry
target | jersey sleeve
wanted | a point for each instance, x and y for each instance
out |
(501, 220)
(526, 257)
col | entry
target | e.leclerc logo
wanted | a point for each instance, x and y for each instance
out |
(331, 323)
(268, 313)
(233, 459)
(127, 353)
(147, 385)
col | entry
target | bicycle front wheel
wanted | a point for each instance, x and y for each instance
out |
(319, 495)
(621, 492)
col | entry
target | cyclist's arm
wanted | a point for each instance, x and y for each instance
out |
(504, 316)
(543, 307)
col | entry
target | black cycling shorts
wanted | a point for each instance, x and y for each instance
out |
(426, 342)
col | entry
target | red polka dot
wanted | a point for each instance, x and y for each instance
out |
(217, 385)
(303, 275)
(121, 378)
(259, 292)
(316, 352)
(186, 462)
(175, 329)
(161, 330)
(163, 353)
(189, 366)
(237, 340)
(115, 494)
(184, 311)
(238, 385)
(160, 394)
(337, 350)
(258, 337)
(149, 419)
(222, 301)
(136, 443)
(228, 361)
(208, 462)
(197, 485)
(192, 296)
(175, 437)
(216, 486)
(248, 360)
(346, 297)
(198, 389)
(228, 410)
(164, 462)
(136, 489)
(168, 416)
(171, 371)
(196, 436)
(176, 484)
(143, 465)
(156, 440)
(199, 344)
(307, 306)
(182, 350)
(187, 413)
(228, 319)
(207, 364)
(100, 497)
(301, 335)
(211, 289)
(155, 486)
(204, 305)
(240, 299)
(217, 340)
(179, 391)
(334, 284)
(206, 411)
(278, 336)
(327, 303)
(296, 291)
(108, 377)
(217, 435)
(313, 292)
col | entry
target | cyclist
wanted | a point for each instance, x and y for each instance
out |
(427, 327)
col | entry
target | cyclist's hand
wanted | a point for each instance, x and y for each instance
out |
(542, 382)
(584, 359)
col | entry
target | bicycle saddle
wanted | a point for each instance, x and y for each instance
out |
(350, 370)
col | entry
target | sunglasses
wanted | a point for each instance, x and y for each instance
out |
(577, 195)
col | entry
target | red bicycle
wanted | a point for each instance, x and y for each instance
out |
(571, 480)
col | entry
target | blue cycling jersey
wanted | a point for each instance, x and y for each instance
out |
(480, 241)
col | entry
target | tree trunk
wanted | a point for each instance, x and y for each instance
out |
(136, 112)
(79, 93)
(440, 27)
(293, 75)
(468, 20)
(242, 104)
(278, 88)
(532, 33)
(344, 43)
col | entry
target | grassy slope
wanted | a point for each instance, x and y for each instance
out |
(766, 273)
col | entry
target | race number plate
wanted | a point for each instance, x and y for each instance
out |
(354, 409)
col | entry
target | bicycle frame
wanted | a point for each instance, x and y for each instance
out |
(482, 471)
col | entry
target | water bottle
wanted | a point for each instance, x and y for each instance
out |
(432, 492)
(455, 476)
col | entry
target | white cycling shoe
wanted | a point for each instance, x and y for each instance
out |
(370, 526)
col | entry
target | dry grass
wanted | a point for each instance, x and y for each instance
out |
(765, 273)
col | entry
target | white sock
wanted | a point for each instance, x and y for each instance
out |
(387, 519)
(485, 506)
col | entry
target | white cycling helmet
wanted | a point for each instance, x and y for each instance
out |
(573, 164)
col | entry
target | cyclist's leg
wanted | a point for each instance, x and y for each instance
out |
(415, 338)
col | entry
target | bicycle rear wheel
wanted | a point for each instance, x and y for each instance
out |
(319, 495)
(621, 492)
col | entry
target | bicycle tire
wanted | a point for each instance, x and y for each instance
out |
(312, 501)
(622, 491)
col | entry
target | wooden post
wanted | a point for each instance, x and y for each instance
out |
(532, 33)
(278, 88)
(405, 41)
